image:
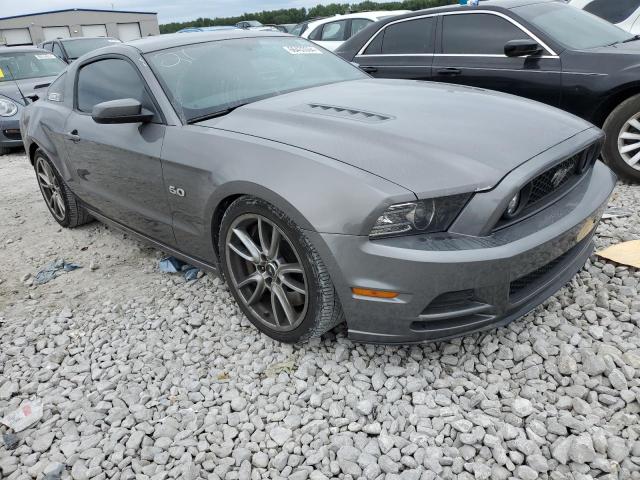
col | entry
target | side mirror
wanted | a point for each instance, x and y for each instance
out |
(521, 48)
(127, 110)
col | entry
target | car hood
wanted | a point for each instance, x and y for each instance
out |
(28, 86)
(426, 137)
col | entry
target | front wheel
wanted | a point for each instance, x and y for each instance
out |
(275, 274)
(622, 147)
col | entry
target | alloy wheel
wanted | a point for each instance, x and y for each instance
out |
(50, 188)
(629, 142)
(266, 271)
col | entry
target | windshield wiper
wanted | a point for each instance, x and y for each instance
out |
(219, 113)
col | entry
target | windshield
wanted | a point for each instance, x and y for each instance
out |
(207, 78)
(76, 48)
(572, 27)
(21, 65)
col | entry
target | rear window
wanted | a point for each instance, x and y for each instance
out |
(614, 11)
(77, 48)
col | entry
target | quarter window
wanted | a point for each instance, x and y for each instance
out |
(358, 24)
(110, 79)
(478, 33)
(407, 37)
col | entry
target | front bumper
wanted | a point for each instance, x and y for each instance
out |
(453, 285)
(10, 132)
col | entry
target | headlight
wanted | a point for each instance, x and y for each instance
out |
(423, 216)
(7, 108)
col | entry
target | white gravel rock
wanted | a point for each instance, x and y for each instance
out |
(144, 375)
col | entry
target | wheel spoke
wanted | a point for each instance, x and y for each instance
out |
(278, 295)
(634, 160)
(284, 273)
(630, 136)
(274, 246)
(262, 235)
(253, 250)
(635, 124)
(44, 180)
(630, 148)
(60, 203)
(259, 289)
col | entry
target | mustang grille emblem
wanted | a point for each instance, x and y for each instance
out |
(559, 176)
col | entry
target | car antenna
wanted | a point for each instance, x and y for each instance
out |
(24, 99)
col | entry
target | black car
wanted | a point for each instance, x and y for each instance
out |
(545, 50)
(70, 49)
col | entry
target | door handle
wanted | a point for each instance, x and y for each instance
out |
(73, 136)
(451, 71)
(369, 69)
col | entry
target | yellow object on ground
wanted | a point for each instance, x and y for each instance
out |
(1, 73)
(626, 253)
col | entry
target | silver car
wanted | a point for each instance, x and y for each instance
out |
(415, 211)
(25, 73)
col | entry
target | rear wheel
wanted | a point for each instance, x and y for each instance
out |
(61, 202)
(622, 147)
(4, 150)
(275, 273)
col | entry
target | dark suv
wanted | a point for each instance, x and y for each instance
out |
(70, 49)
(541, 49)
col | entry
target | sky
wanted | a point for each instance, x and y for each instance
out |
(168, 10)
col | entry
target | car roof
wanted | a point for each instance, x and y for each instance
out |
(484, 5)
(75, 39)
(373, 15)
(24, 49)
(161, 42)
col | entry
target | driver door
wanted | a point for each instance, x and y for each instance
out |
(471, 52)
(116, 168)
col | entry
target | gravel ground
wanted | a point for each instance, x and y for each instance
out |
(143, 375)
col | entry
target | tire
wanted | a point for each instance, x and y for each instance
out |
(295, 266)
(616, 124)
(62, 203)
(4, 151)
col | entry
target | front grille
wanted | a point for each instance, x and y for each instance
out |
(12, 134)
(551, 185)
(551, 180)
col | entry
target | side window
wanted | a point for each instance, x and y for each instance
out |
(47, 46)
(110, 79)
(411, 36)
(478, 33)
(375, 47)
(358, 24)
(616, 11)
(334, 31)
(57, 51)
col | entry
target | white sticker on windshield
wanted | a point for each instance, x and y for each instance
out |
(45, 56)
(113, 41)
(303, 50)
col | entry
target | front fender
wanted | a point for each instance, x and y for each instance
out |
(318, 193)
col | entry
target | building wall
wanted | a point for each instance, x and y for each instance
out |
(75, 19)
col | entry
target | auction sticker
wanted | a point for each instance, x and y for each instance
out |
(45, 56)
(302, 50)
(1, 73)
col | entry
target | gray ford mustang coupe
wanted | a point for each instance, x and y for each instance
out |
(414, 211)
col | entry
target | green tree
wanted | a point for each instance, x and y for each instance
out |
(297, 15)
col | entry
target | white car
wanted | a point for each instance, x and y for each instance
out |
(624, 13)
(331, 32)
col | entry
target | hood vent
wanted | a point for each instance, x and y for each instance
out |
(347, 113)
